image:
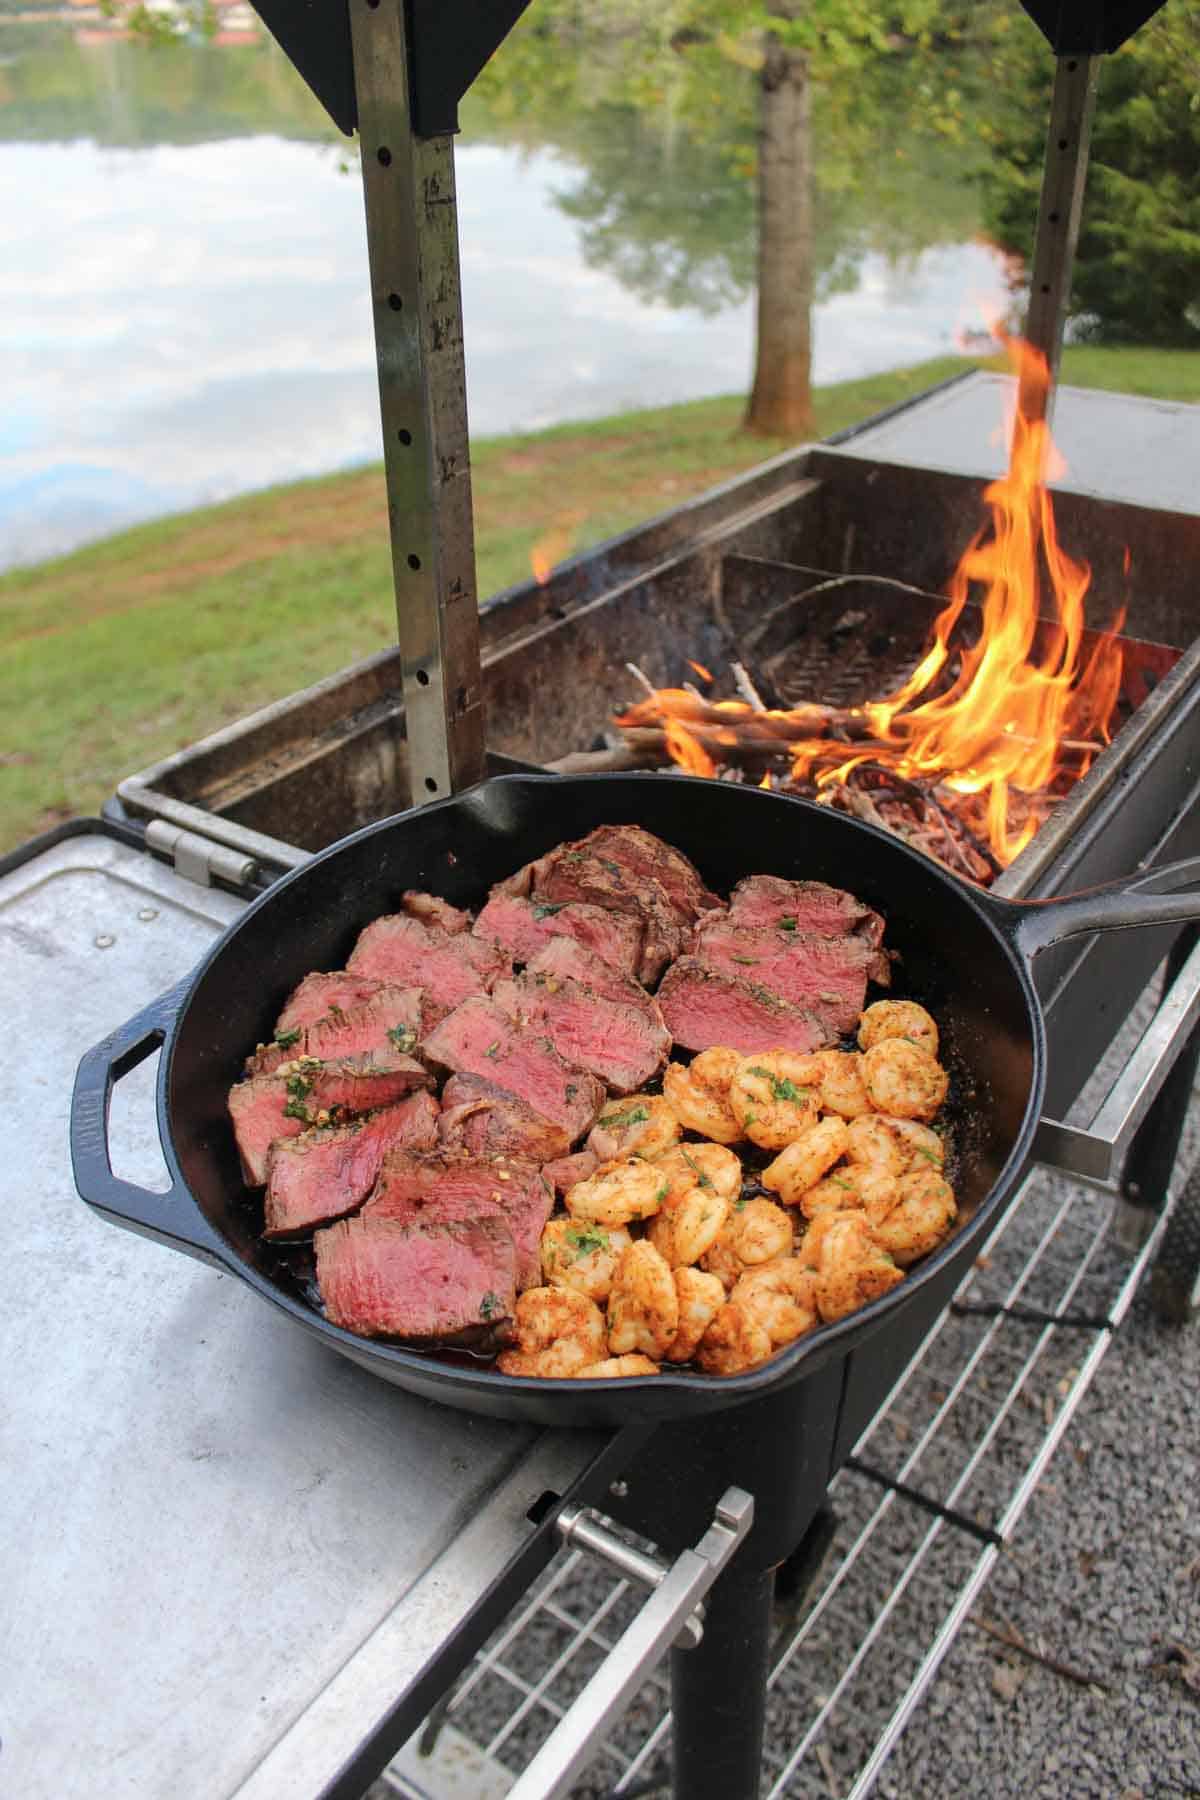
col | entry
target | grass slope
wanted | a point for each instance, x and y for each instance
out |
(134, 647)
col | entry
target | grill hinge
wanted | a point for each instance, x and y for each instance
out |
(198, 858)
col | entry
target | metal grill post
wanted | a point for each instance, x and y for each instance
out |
(412, 239)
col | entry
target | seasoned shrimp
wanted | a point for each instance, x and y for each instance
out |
(558, 1333)
(923, 1212)
(700, 1298)
(896, 1145)
(723, 1262)
(687, 1224)
(699, 1094)
(852, 1265)
(618, 1193)
(842, 1087)
(774, 1096)
(904, 1080)
(618, 1368)
(707, 1166)
(758, 1231)
(803, 1163)
(851, 1186)
(897, 1019)
(733, 1343)
(643, 1123)
(780, 1297)
(643, 1307)
(582, 1256)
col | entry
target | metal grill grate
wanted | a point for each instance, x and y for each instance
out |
(964, 1438)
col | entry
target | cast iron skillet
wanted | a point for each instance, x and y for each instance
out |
(965, 955)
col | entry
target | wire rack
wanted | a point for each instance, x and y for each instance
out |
(927, 1503)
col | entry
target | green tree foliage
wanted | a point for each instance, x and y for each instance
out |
(1137, 269)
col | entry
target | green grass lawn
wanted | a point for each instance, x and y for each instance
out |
(124, 651)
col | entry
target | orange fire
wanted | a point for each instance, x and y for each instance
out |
(996, 727)
(554, 545)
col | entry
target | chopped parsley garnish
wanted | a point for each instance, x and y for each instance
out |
(492, 1049)
(296, 1109)
(545, 909)
(787, 1090)
(702, 1180)
(570, 1090)
(285, 1039)
(788, 924)
(662, 1193)
(586, 1238)
(742, 1201)
(489, 1305)
(403, 1037)
(637, 1115)
(749, 961)
(929, 1155)
(838, 1182)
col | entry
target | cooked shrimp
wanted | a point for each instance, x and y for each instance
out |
(904, 1080)
(643, 1307)
(873, 1142)
(641, 1122)
(849, 1187)
(852, 1265)
(558, 1333)
(618, 1368)
(618, 1193)
(842, 1087)
(707, 1166)
(687, 1224)
(757, 1231)
(582, 1256)
(803, 1163)
(897, 1019)
(723, 1262)
(780, 1297)
(923, 1213)
(699, 1094)
(700, 1298)
(733, 1343)
(774, 1096)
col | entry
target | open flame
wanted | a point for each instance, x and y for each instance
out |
(554, 545)
(989, 721)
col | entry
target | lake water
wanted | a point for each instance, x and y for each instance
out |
(183, 321)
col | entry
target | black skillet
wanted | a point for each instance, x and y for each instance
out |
(964, 954)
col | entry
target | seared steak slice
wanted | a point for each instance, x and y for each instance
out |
(826, 976)
(450, 1186)
(429, 1282)
(324, 1174)
(647, 858)
(703, 1008)
(318, 995)
(525, 927)
(566, 956)
(390, 1020)
(563, 1174)
(479, 1039)
(434, 912)
(625, 1043)
(449, 969)
(768, 900)
(480, 1117)
(577, 875)
(268, 1107)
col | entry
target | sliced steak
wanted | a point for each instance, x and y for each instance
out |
(563, 1174)
(389, 1020)
(577, 875)
(487, 1120)
(428, 1282)
(318, 995)
(479, 1039)
(648, 858)
(826, 976)
(324, 1174)
(625, 1043)
(450, 1186)
(435, 912)
(564, 956)
(268, 1107)
(449, 969)
(703, 1008)
(524, 927)
(768, 900)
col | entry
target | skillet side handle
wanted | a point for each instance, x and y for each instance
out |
(1117, 906)
(170, 1217)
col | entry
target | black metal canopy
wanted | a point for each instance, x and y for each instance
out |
(1089, 27)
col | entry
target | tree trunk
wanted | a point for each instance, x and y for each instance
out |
(781, 400)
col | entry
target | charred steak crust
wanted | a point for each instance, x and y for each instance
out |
(265, 1108)
(480, 1039)
(485, 1119)
(826, 975)
(387, 1021)
(327, 1172)
(524, 927)
(579, 875)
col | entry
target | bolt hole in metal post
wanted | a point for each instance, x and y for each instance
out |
(384, 155)
(422, 678)
(405, 437)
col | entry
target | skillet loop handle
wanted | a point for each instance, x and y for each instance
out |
(1121, 905)
(171, 1217)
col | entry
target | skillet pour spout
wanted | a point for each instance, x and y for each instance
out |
(964, 955)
